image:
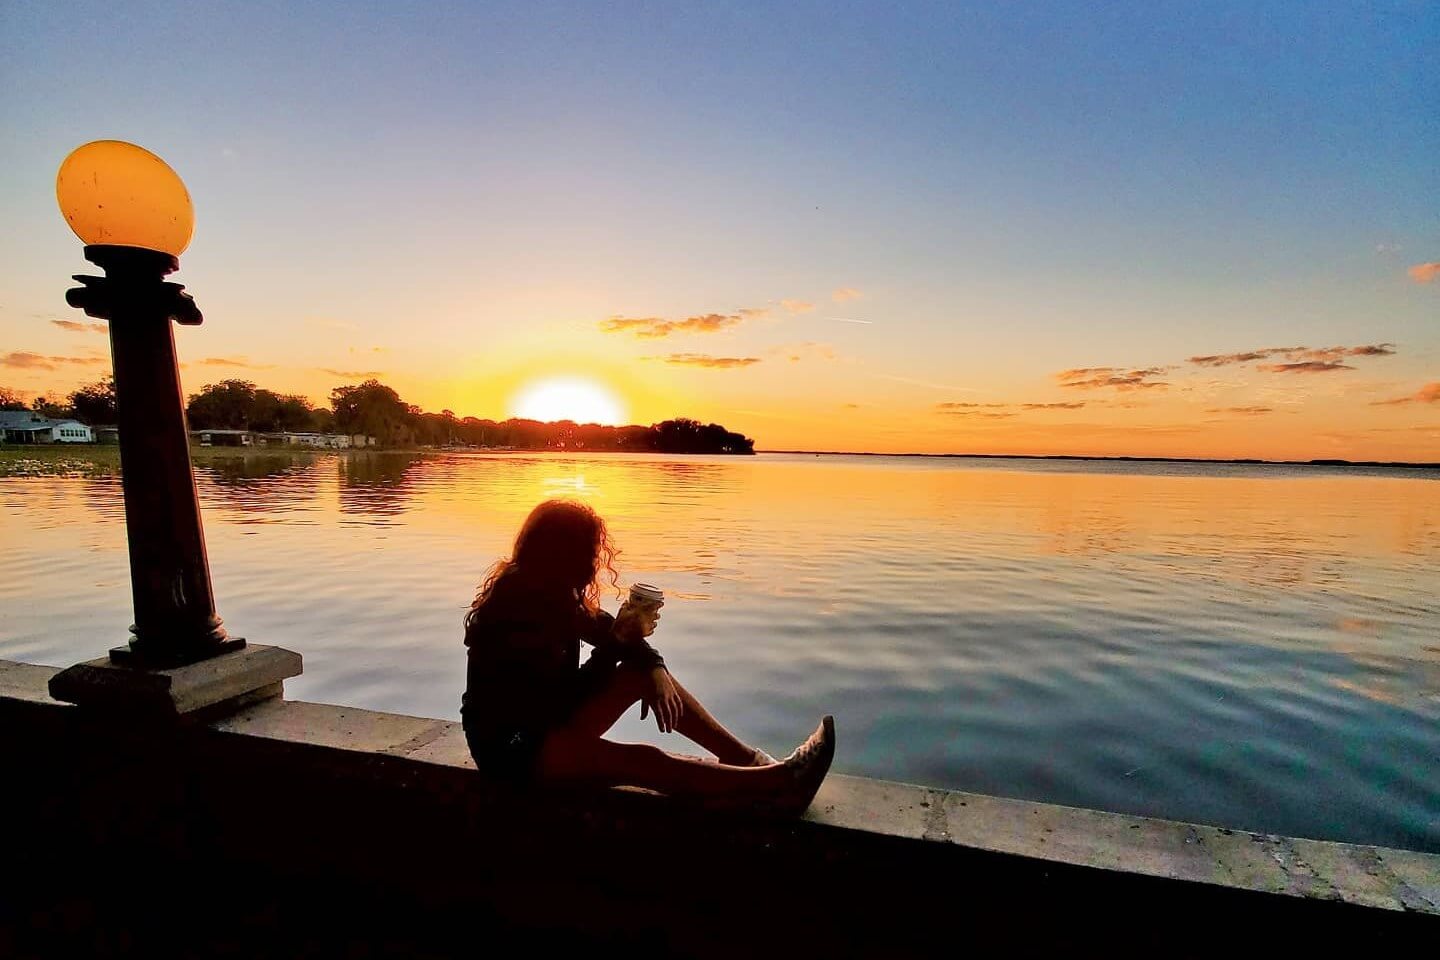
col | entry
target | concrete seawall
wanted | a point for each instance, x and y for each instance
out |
(286, 821)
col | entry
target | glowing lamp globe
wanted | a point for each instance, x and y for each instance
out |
(114, 193)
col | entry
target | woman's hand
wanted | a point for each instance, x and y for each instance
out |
(636, 621)
(664, 699)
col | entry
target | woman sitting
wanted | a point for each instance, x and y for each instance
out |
(531, 711)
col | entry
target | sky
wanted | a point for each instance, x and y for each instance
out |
(1156, 228)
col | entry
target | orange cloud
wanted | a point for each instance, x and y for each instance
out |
(1296, 355)
(23, 360)
(655, 327)
(1243, 411)
(1305, 366)
(232, 362)
(352, 374)
(705, 360)
(970, 409)
(845, 294)
(1425, 272)
(77, 326)
(1430, 393)
(1091, 378)
(797, 306)
(973, 410)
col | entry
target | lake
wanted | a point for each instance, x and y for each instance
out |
(1250, 646)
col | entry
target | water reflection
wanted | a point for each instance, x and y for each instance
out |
(1221, 646)
(258, 483)
(377, 484)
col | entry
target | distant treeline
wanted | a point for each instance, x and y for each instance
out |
(375, 410)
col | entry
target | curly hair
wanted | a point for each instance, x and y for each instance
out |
(562, 544)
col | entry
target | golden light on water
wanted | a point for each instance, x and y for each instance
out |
(568, 398)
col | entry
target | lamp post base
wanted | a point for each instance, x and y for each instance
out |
(231, 679)
(144, 656)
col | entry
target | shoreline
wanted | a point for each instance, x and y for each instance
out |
(224, 452)
(1237, 461)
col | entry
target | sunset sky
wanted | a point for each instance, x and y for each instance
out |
(1190, 229)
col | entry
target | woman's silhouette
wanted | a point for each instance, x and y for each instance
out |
(532, 711)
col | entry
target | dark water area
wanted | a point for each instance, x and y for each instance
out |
(1246, 645)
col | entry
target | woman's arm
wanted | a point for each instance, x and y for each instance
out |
(623, 640)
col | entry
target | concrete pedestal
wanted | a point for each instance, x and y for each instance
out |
(230, 680)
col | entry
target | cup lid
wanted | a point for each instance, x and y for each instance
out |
(646, 591)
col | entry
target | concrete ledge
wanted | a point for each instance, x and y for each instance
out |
(383, 801)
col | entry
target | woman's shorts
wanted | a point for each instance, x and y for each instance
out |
(512, 752)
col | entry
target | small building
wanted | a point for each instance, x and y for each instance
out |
(26, 426)
(222, 438)
(322, 441)
(105, 432)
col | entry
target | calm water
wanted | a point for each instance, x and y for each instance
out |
(1247, 646)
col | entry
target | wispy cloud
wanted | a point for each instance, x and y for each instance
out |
(1430, 393)
(1425, 272)
(329, 323)
(982, 411)
(845, 294)
(850, 320)
(1295, 355)
(1243, 411)
(965, 408)
(929, 384)
(1093, 378)
(649, 328)
(78, 326)
(24, 360)
(797, 306)
(1305, 366)
(352, 374)
(705, 360)
(232, 362)
(809, 350)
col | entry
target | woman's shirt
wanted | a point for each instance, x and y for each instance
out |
(524, 658)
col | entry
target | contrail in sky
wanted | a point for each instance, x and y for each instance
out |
(848, 320)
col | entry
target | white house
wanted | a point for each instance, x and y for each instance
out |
(25, 426)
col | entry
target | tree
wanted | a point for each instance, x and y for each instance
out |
(95, 402)
(226, 405)
(51, 409)
(10, 400)
(375, 410)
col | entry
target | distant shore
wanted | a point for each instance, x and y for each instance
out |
(1240, 461)
(201, 454)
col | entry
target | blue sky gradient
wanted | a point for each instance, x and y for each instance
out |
(1016, 189)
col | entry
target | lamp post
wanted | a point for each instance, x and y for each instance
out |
(134, 214)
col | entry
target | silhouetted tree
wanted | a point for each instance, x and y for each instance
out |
(95, 402)
(226, 405)
(10, 400)
(373, 409)
(51, 409)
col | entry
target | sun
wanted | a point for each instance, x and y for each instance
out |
(568, 398)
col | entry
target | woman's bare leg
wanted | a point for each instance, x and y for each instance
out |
(599, 713)
(567, 756)
(699, 725)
